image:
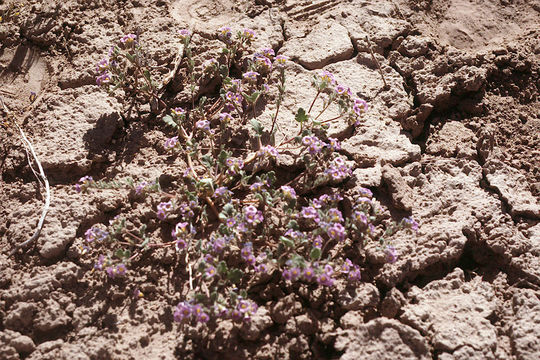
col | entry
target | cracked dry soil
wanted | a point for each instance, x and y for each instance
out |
(453, 140)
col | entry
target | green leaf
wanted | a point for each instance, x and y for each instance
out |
(145, 242)
(208, 161)
(243, 293)
(257, 126)
(293, 224)
(301, 116)
(315, 254)
(222, 267)
(228, 209)
(199, 297)
(214, 296)
(286, 241)
(235, 275)
(170, 121)
(147, 74)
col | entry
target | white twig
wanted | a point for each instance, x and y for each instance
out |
(40, 177)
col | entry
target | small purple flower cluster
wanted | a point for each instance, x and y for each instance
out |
(164, 209)
(96, 234)
(182, 233)
(288, 192)
(186, 311)
(128, 39)
(315, 145)
(410, 223)
(235, 165)
(184, 35)
(84, 183)
(171, 143)
(252, 215)
(178, 112)
(112, 270)
(268, 151)
(242, 311)
(338, 170)
(280, 61)
(391, 254)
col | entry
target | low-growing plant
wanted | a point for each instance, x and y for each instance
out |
(232, 220)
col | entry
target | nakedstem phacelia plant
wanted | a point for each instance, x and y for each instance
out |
(233, 221)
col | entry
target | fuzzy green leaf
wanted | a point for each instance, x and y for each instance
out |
(315, 254)
(170, 121)
(286, 241)
(301, 115)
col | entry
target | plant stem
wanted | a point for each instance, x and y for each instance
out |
(313, 102)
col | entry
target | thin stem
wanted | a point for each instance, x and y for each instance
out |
(323, 110)
(275, 116)
(313, 102)
(326, 121)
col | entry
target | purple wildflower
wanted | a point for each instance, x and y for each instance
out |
(100, 263)
(171, 143)
(268, 52)
(346, 266)
(333, 144)
(295, 273)
(128, 39)
(336, 232)
(256, 187)
(360, 107)
(182, 312)
(268, 151)
(288, 192)
(308, 212)
(325, 279)
(335, 215)
(354, 273)
(203, 125)
(203, 317)
(180, 230)
(184, 34)
(225, 34)
(164, 209)
(391, 254)
(280, 61)
(251, 76)
(102, 65)
(318, 242)
(261, 268)
(218, 244)
(365, 192)
(104, 78)
(243, 306)
(308, 274)
(263, 63)
(248, 34)
(221, 192)
(252, 215)
(225, 118)
(327, 77)
(360, 217)
(230, 222)
(210, 271)
(411, 223)
(96, 234)
(178, 112)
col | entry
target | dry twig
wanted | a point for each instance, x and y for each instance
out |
(42, 179)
